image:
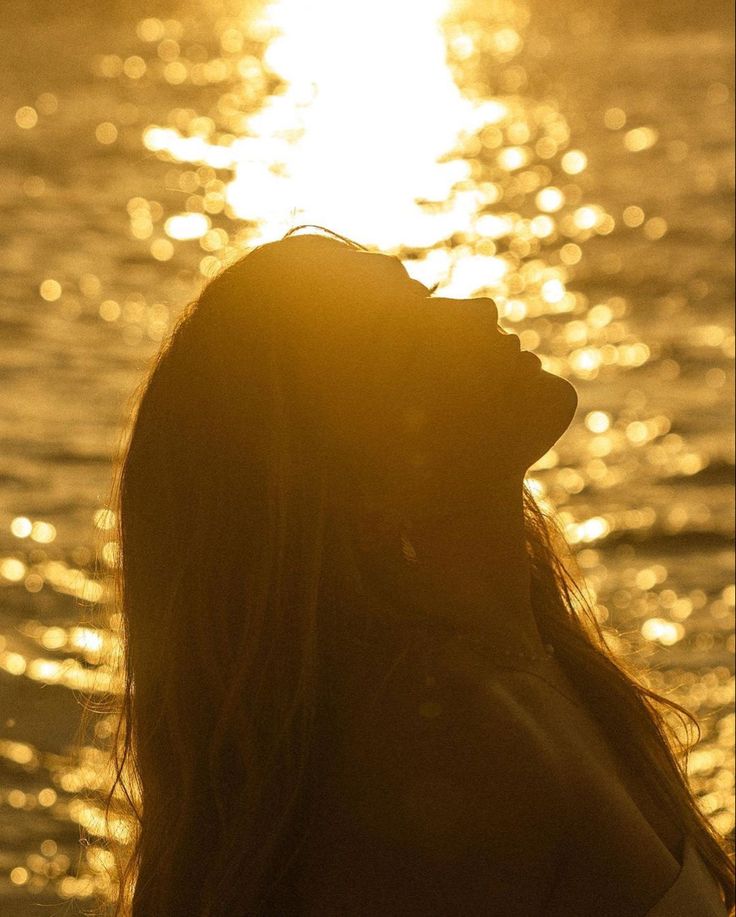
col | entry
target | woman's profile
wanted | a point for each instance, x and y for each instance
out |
(359, 676)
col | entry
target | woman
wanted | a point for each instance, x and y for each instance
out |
(359, 679)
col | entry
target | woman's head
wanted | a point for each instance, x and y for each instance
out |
(418, 394)
(308, 376)
(307, 373)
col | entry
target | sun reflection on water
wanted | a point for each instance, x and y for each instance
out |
(354, 131)
(357, 127)
(351, 134)
(431, 139)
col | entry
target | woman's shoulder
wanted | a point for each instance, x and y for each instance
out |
(443, 752)
(426, 686)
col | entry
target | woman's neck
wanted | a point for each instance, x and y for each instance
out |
(473, 571)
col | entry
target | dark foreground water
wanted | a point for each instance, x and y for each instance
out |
(586, 184)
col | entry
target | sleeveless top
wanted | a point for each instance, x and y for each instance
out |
(695, 892)
(356, 860)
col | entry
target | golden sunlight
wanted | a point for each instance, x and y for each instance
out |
(355, 133)
(570, 163)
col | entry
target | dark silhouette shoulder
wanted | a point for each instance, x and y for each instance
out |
(441, 798)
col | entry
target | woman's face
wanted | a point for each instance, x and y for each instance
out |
(425, 386)
(481, 392)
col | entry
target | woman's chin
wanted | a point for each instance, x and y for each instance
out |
(562, 393)
(551, 403)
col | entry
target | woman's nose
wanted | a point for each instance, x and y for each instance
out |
(488, 306)
(482, 308)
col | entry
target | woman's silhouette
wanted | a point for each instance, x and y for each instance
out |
(359, 677)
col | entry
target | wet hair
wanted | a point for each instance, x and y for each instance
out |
(235, 561)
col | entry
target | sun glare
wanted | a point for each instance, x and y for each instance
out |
(367, 122)
(356, 131)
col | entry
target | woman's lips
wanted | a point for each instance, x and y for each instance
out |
(530, 361)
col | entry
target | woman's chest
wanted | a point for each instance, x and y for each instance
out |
(623, 851)
(606, 800)
(617, 852)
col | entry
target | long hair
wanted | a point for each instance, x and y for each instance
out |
(233, 560)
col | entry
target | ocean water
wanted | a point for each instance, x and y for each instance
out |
(572, 161)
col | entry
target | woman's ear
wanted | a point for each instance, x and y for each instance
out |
(407, 548)
(377, 526)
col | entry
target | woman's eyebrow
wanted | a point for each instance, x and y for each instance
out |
(428, 291)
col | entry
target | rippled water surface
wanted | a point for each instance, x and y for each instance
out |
(573, 163)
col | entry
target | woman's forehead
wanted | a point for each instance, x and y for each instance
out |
(375, 273)
(324, 259)
(387, 268)
(367, 265)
